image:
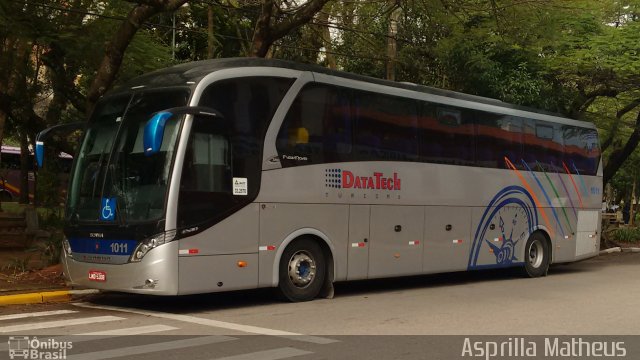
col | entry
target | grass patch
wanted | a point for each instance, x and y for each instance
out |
(17, 265)
(19, 209)
(627, 235)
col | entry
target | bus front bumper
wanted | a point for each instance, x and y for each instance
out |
(156, 274)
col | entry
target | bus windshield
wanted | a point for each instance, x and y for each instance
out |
(111, 164)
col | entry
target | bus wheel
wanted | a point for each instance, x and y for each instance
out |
(536, 256)
(302, 271)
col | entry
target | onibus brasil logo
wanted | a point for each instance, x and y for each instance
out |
(24, 347)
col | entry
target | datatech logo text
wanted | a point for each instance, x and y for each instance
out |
(344, 179)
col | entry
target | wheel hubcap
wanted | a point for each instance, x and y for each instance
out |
(302, 269)
(536, 254)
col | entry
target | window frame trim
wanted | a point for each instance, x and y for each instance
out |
(171, 221)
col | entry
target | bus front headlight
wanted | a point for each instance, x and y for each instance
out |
(152, 242)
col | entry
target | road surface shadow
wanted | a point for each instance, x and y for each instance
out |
(257, 297)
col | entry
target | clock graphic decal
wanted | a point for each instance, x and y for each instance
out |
(503, 229)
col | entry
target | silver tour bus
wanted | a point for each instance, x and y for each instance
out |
(244, 173)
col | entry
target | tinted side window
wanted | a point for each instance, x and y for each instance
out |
(386, 127)
(543, 145)
(446, 135)
(498, 137)
(317, 128)
(247, 104)
(222, 149)
(205, 185)
(582, 153)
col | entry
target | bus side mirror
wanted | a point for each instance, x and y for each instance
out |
(154, 128)
(42, 135)
(39, 153)
(154, 132)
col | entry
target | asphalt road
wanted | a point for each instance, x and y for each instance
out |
(600, 296)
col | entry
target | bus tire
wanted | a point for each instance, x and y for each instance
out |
(536, 255)
(302, 270)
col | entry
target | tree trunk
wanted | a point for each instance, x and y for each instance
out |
(392, 45)
(210, 39)
(3, 120)
(618, 157)
(632, 205)
(323, 19)
(268, 29)
(614, 129)
(261, 36)
(24, 168)
(114, 53)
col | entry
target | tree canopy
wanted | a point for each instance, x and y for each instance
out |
(578, 58)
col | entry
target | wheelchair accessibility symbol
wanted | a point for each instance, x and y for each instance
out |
(108, 209)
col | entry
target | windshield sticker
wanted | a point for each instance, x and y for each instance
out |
(108, 209)
(240, 186)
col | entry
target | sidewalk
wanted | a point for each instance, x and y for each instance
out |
(31, 286)
(36, 287)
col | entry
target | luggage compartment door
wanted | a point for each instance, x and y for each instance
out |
(396, 240)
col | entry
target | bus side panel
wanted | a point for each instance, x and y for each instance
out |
(279, 222)
(396, 240)
(564, 247)
(199, 274)
(447, 238)
(499, 233)
(358, 247)
(237, 234)
(213, 255)
(587, 239)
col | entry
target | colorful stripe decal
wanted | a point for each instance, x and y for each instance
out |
(573, 207)
(575, 187)
(533, 195)
(584, 185)
(555, 191)
(546, 196)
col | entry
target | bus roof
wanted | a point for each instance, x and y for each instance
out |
(189, 74)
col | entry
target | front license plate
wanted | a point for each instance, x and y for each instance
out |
(97, 275)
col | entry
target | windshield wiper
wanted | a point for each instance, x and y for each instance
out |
(117, 190)
(98, 171)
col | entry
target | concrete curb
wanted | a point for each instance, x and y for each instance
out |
(619, 249)
(610, 250)
(44, 297)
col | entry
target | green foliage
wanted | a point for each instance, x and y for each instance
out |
(17, 265)
(627, 235)
(48, 187)
(580, 58)
(50, 249)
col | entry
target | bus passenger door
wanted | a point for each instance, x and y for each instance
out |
(396, 240)
(358, 258)
(447, 240)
